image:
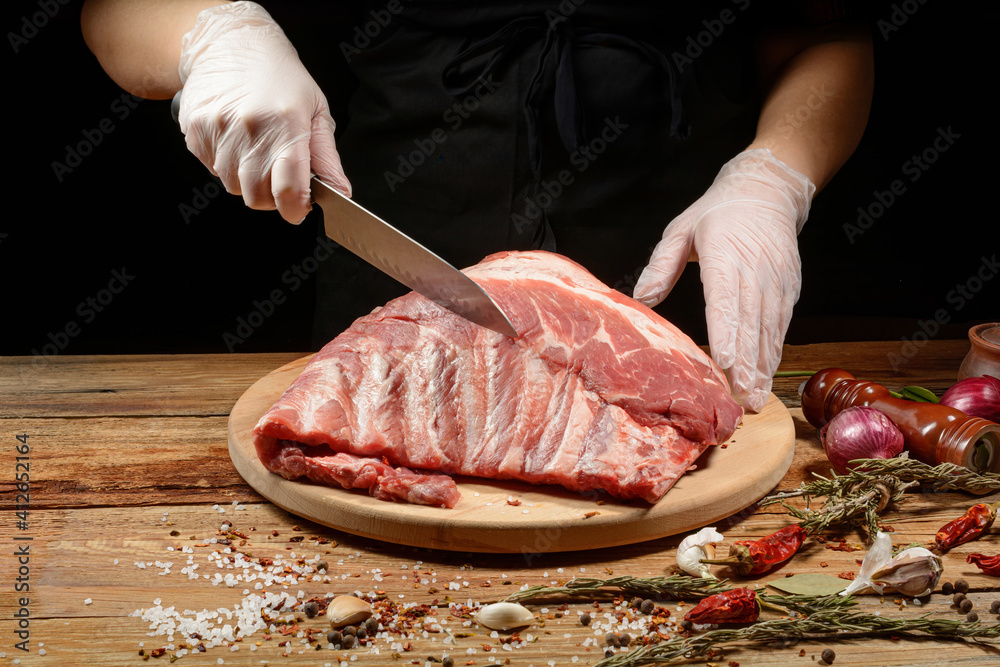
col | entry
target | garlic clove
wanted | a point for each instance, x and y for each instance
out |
(914, 572)
(347, 610)
(878, 556)
(504, 616)
(695, 548)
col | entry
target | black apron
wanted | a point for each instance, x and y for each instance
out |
(578, 127)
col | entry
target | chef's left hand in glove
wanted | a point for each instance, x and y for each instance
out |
(742, 232)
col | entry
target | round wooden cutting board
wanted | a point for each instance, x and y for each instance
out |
(512, 517)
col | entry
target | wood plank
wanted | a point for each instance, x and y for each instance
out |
(123, 461)
(101, 385)
(73, 553)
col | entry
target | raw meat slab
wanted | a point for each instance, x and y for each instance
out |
(726, 482)
(598, 393)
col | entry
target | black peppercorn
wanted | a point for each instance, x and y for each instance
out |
(609, 653)
(611, 639)
(322, 565)
(828, 655)
(448, 661)
(972, 617)
(362, 633)
(350, 630)
(347, 641)
(371, 625)
(962, 586)
(310, 609)
(947, 588)
(995, 607)
(966, 605)
(957, 598)
(585, 619)
(334, 637)
(625, 639)
(647, 606)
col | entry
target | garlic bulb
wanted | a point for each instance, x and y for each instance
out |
(347, 610)
(914, 572)
(504, 616)
(694, 548)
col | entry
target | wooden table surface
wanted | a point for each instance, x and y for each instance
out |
(130, 480)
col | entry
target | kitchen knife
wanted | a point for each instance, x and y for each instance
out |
(396, 254)
(393, 252)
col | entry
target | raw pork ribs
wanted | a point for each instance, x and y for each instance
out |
(598, 392)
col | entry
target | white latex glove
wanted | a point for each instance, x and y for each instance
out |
(742, 232)
(252, 113)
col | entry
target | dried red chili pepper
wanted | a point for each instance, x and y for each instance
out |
(738, 605)
(988, 564)
(750, 557)
(976, 520)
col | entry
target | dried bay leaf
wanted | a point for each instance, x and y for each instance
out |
(810, 583)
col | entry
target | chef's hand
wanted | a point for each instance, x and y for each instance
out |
(252, 113)
(742, 232)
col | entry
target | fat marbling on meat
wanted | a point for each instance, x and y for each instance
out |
(597, 393)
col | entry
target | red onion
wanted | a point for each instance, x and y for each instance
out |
(976, 397)
(860, 432)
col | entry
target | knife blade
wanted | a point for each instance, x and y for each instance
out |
(396, 254)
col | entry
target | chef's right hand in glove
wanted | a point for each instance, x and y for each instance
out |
(252, 113)
(742, 232)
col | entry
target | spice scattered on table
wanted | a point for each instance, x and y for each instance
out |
(752, 557)
(976, 520)
(735, 606)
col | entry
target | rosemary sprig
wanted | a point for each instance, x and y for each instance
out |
(806, 604)
(828, 625)
(942, 477)
(674, 587)
(846, 505)
(859, 497)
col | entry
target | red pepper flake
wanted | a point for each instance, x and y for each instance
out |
(844, 546)
(590, 514)
(846, 575)
(802, 652)
(976, 520)
(823, 563)
(157, 652)
(514, 502)
(486, 647)
(289, 629)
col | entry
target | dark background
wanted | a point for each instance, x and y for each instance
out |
(120, 208)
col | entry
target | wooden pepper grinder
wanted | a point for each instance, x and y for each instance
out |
(932, 433)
